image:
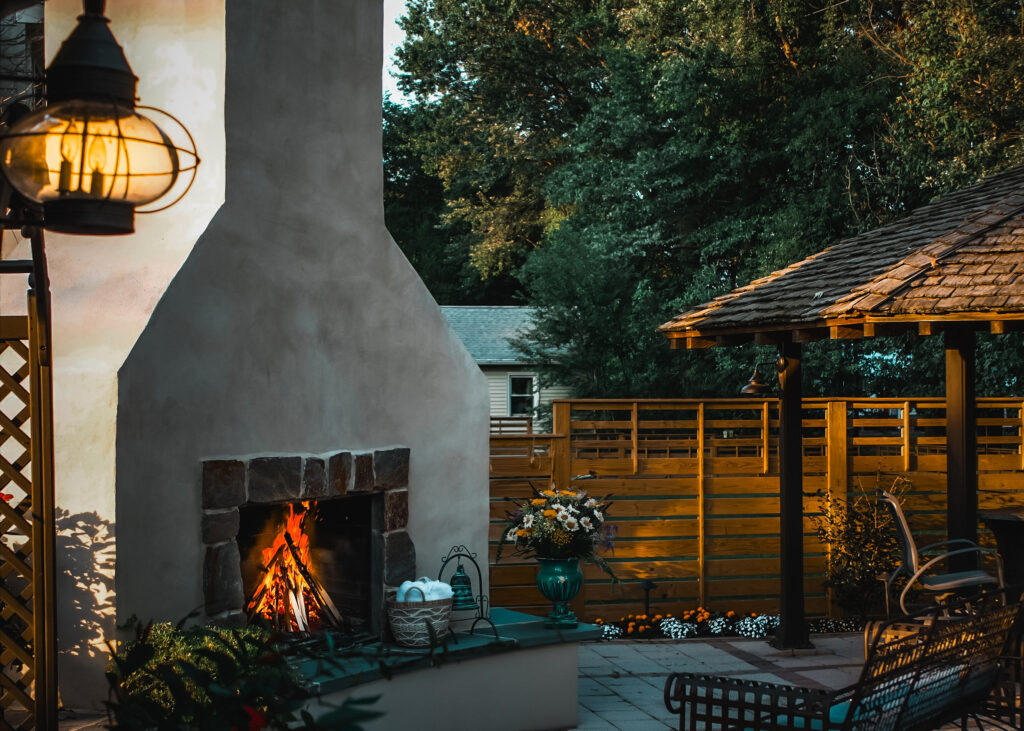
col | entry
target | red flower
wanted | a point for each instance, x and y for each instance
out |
(257, 720)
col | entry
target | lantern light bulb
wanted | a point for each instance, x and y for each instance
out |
(97, 153)
(97, 159)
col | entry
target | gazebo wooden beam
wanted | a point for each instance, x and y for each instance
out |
(846, 332)
(792, 632)
(961, 440)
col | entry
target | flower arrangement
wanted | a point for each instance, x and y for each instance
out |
(559, 524)
(701, 622)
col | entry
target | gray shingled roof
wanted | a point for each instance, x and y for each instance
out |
(963, 253)
(486, 330)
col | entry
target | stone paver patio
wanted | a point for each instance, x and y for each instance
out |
(621, 683)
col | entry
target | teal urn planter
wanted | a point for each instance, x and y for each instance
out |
(559, 580)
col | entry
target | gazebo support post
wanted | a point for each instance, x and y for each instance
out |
(961, 440)
(792, 633)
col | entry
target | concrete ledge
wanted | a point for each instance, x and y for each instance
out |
(526, 680)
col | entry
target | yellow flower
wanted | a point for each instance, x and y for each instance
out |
(549, 513)
(538, 501)
(522, 533)
(548, 493)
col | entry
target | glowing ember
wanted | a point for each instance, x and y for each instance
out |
(284, 595)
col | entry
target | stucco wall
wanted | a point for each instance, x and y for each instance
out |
(104, 290)
(296, 324)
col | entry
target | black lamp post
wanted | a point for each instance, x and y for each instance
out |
(88, 159)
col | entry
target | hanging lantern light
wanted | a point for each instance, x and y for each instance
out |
(756, 386)
(89, 157)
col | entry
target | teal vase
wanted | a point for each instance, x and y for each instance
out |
(559, 580)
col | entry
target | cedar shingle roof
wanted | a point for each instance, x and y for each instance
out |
(960, 257)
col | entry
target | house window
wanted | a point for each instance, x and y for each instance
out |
(522, 395)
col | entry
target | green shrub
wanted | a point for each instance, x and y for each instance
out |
(864, 544)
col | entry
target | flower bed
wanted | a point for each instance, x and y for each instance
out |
(702, 622)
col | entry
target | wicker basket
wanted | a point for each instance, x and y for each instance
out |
(408, 620)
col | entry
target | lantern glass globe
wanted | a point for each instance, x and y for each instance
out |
(89, 150)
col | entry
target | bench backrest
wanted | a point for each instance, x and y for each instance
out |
(918, 681)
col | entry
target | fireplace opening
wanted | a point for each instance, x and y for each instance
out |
(310, 566)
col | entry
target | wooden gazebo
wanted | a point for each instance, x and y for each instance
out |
(954, 266)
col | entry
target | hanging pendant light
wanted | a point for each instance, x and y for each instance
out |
(88, 157)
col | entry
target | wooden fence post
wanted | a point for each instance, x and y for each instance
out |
(701, 532)
(838, 456)
(635, 428)
(908, 461)
(560, 455)
(838, 462)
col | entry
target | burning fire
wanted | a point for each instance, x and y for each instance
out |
(287, 595)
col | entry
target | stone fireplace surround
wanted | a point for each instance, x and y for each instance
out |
(229, 484)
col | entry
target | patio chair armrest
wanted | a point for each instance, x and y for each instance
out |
(726, 703)
(976, 549)
(932, 546)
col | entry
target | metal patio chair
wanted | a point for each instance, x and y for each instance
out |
(913, 567)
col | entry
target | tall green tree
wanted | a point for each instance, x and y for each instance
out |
(630, 158)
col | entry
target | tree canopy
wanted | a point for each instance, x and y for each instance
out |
(625, 159)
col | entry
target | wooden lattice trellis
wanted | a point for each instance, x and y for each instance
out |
(28, 694)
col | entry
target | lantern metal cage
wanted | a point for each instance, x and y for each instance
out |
(463, 597)
(92, 164)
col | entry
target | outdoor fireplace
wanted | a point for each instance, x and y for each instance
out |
(307, 541)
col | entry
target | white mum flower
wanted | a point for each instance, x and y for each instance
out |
(585, 522)
(571, 523)
(528, 521)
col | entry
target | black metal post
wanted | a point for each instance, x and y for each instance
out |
(792, 633)
(961, 441)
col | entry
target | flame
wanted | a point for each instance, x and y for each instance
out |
(284, 596)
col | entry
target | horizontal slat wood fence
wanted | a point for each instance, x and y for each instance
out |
(695, 486)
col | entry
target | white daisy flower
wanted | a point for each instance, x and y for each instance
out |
(572, 509)
(591, 503)
(585, 522)
(598, 515)
(562, 515)
(571, 523)
(511, 535)
(528, 521)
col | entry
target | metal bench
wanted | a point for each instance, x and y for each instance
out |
(944, 672)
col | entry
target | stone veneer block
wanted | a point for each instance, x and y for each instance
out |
(273, 479)
(223, 483)
(219, 527)
(222, 579)
(363, 481)
(399, 558)
(314, 478)
(339, 472)
(391, 468)
(396, 509)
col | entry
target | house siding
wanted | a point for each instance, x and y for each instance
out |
(497, 387)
